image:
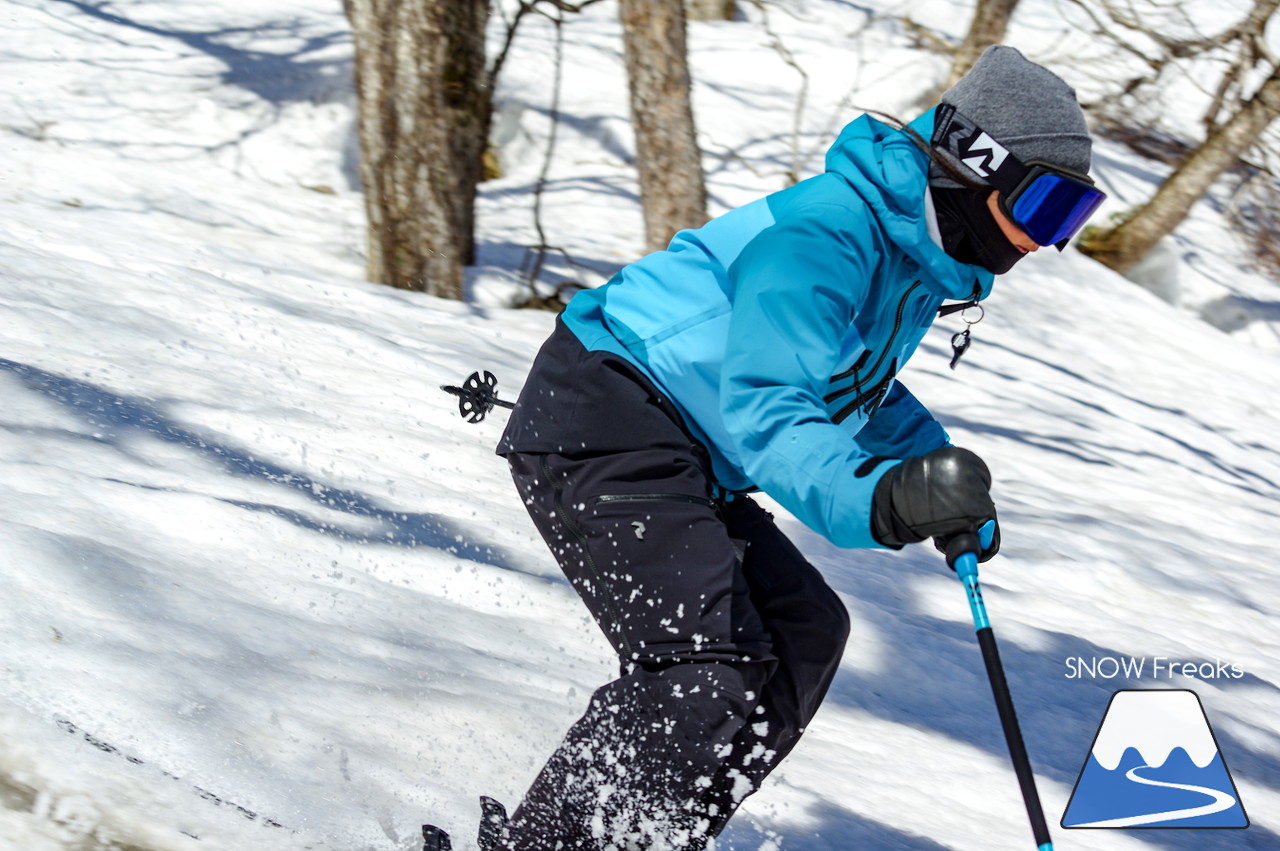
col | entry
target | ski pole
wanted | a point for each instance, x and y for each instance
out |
(962, 556)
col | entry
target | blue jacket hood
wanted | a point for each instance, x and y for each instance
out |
(888, 170)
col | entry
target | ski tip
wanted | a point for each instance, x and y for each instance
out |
(493, 808)
(435, 839)
(493, 821)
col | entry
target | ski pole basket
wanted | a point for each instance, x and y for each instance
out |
(477, 396)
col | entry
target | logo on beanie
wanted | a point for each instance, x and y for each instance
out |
(967, 142)
(984, 154)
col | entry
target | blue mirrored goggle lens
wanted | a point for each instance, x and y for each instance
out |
(1052, 208)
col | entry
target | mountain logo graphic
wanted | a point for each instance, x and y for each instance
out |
(1155, 763)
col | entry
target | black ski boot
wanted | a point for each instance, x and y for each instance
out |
(493, 821)
(436, 839)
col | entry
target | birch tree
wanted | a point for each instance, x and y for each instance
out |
(424, 107)
(710, 10)
(1122, 246)
(990, 22)
(672, 188)
(1241, 106)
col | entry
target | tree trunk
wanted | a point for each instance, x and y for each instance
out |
(672, 191)
(1123, 246)
(990, 20)
(423, 118)
(710, 10)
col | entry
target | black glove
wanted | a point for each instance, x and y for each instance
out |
(938, 495)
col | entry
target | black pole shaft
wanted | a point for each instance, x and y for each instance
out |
(1013, 735)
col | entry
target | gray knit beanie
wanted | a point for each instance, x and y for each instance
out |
(1023, 106)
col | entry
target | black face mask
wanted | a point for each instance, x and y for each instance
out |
(970, 233)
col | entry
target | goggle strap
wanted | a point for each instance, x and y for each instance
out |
(974, 148)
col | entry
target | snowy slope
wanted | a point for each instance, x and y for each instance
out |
(262, 585)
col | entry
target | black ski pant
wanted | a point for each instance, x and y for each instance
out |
(728, 640)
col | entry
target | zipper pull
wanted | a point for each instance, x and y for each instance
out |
(948, 309)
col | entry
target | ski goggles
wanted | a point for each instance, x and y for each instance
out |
(1049, 203)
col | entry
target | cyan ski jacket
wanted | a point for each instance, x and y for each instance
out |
(778, 328)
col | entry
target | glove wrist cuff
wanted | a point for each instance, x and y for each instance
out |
(888, 530)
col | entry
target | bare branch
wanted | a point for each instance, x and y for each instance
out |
(802, 99)
(498, 61)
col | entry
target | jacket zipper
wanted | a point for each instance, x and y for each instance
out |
(853, 370)
(888, 346)
(872, 397)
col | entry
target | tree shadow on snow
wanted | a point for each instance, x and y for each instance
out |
(1235, 474)
(837, 828)
(278, 78)
(115, 419)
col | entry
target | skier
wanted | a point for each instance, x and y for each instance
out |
(761, 351)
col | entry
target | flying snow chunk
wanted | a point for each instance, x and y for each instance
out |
(1155, 763)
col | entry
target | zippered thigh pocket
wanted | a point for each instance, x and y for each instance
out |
(655, 497)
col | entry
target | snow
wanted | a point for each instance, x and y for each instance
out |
(253, 563)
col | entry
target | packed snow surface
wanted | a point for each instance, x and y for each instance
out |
(262, 586)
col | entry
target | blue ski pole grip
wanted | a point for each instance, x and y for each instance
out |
(962, 553)
(963, 550)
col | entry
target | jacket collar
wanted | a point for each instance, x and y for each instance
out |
(887, 169)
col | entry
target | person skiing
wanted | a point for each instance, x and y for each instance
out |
(762, 351)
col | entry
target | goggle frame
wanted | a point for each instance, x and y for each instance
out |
(1088, 197)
